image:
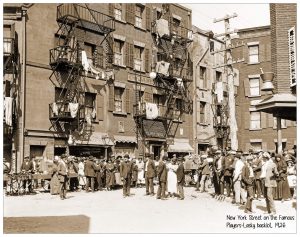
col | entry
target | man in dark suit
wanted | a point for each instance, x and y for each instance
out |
(27, 168)
(149, 169)
(62, 171)
(90, 173)
(248, 182)
(227, 166)
(180, 178)
(125, 173)
(162, 178)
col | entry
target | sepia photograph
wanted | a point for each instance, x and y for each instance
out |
(149, 118)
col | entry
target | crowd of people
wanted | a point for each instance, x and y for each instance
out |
(243, 176)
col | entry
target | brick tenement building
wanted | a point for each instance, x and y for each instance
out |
(257, 130)
(113, 128)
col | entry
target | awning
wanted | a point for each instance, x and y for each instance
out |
(124, 139)
(282, 104)
(180, 145)
(59, 142)
(95, 139)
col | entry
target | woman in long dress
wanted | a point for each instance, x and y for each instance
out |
(140, 165)
(172, 178)
(81, 177)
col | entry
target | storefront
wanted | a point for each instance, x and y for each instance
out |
(124, 145)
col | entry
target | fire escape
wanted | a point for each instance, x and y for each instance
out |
(10, 75)
(220, 109)
(172, 75)
(68, 63)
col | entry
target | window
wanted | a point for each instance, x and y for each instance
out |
(175, 26)
(158, 99)
(254, 86)
(138, 16)
(253, 54)
(202, 112)
(218, 76)
(256, 146)
(89, 102)
(202, 78)
(90, 50)
(138, 58)
(118, 99)
(118, 11)
(118, 52)
(283, 123)
(255, 120)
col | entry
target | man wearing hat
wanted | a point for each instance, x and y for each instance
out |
(217, 173)
(180, 178)
(27, 168)
(257, 164)
(248, 183)
(228, 171)
(90, 173)
(237, 178)
(271, 173)
(162, 178)
(125, 173)
(62, 172)
(204, 166)
(150, 173)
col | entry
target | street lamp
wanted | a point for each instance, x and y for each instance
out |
(106, 140)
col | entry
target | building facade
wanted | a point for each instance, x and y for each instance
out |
(207, 75)
(91, 102)
(256, 129)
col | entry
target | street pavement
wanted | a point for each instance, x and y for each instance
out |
(109, 212)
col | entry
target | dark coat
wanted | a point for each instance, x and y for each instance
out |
(62, 172)
(246, 176)
(162, 171)
(227, 164)
(205, 168)
(180, 174)
(126, 169)
(151, 172)
(28, 167)
(257, 164)
(90, 169)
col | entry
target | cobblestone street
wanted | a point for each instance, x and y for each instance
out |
(109, 212)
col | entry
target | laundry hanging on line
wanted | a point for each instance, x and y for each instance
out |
(162, 27)
(219, 91)
(73, 107)
(163, 68)
(55, 108)
(151, 111)
(8, 105)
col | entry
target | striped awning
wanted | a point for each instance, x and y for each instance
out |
(180, 145)
(95, 139)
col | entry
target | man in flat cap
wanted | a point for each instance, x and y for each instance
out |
(180, 178)
(162, 178)
(90, 173)
(125, 173)
(62, 171)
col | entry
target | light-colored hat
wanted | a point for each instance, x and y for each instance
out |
(56, 158)
(204, 156)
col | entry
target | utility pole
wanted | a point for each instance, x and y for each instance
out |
(230, 77)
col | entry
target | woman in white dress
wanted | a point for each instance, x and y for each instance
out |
(81, 177)
(141, 179)
(172, 178)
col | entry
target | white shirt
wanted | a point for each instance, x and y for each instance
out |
(238, 169)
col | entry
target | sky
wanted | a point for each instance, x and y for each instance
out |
(249, 15)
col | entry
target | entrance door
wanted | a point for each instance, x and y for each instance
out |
(156, 151)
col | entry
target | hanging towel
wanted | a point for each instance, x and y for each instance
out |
(55, 109)
(73, 109)
(180, 82)
(84, 61)
(162, 27)
(163, 68)
(88, 119)
(219, 91)
(151, 111)
(8, 110)
(94, 113)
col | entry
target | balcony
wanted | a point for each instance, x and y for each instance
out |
(89, 19)
(163, 111)
(8, 46)
(61, 111)
(181, 72)
(64, 55)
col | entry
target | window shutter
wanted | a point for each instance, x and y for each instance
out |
(268, 52)
(207, 116)
(270, 121)
(7, 88)
(130, 13)
(100, 107)
(111, 102)
(263, 117)
(147, 60)
(148, 18)
(262, 49)
(246, 54)
(129, 54)
(128, 107)
(246, 86)
(247, 120)
(99, 57)
(111, 8)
